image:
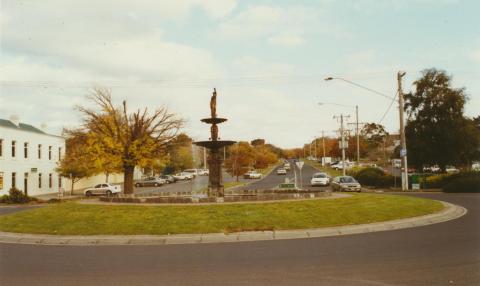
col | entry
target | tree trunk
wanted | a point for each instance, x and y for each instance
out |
(128, 180)
(106, 176)
(73, 184)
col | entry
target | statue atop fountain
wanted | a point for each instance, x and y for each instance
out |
(215, 186)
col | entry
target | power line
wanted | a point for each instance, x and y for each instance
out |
(389, 107)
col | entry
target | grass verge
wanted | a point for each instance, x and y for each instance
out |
(72, 218)
(328, 170)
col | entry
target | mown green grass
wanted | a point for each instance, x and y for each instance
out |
(332, 172)
(74, 218)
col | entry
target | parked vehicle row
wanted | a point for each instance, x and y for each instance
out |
(110, 189)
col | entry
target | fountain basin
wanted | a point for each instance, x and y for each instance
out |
(215, 144)
(213, 120)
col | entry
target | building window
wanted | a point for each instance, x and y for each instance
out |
(59, 153)
(1, 147)
(59, 181)
(39, 180)
(25, 150)
(14, 180)
(25, 183)
(39, 151)
(49, 152)
(50, 181)
(14, 145)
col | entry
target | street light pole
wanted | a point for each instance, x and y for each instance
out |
(403, 151)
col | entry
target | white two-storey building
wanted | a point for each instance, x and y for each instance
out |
(28, 158)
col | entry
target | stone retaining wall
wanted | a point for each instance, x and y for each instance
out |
(248, 196)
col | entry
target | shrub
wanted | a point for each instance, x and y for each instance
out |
(374, 177)
(15, 196)
(467, 182)
(436, 181)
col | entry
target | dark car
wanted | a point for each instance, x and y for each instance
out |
(150, 182)
(168, 178)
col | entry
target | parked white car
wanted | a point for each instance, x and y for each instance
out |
(203, 172)
(339, 165)
(451, 169)
(252, 175)
(320, 179)
(183, 176)
(103, 189)
(194, 172)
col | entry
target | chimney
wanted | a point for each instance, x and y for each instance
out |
(43, 127)
(15, 120)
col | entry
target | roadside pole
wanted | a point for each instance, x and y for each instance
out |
(403, 151)
(323, 145)
(358, 137)
(342, 143)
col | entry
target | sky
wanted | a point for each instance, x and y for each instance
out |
(267, 60)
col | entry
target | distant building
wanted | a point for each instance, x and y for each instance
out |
(28, 158)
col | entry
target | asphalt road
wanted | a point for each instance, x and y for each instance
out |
(273, 180)
(441, 254)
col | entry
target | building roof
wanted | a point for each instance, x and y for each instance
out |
(21, 126)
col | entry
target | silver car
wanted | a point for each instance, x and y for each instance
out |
(345, 184)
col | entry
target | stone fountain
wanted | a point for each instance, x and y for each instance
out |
(214, 145)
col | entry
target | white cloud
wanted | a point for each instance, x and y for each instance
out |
(287, 39)
(475, 55)
(284, 26)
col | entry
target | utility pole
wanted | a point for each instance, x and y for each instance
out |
(342, 142)
(315, 148)
(358, 136)
(323, 143)
(403, 151)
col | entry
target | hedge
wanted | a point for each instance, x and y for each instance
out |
(467, 182)
(374, 177)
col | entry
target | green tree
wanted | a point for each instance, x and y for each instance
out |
(135, 139)
(374, 135)
(180, 153)
(437, 131)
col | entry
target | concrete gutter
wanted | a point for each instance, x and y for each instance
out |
(450, 212)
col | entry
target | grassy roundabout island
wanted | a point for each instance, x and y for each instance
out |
(72, 218)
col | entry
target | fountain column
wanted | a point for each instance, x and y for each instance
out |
(215, 186)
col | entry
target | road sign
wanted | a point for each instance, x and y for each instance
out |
(299, 164)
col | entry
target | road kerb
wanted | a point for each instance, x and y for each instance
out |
(450, 212)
